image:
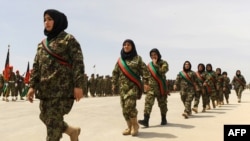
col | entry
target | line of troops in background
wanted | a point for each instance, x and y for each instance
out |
(95, 86)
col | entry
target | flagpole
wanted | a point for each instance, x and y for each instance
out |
(94, 69)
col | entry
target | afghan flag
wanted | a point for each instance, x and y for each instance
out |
(7, 68)
(27, 75)
(26, 81)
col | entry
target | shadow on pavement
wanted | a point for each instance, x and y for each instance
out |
(155, 135)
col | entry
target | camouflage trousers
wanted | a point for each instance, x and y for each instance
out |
(128, 104)
(19, 90)
(239, 92)
(52, 112)
(220, 97)
(10, 90)
(204, 97)
(186, 98)
(150, 99)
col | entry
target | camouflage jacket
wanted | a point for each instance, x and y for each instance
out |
(227, 85)
(238, 81)
(220, 82)
(161, 68)
(186, 85)
(53, 79)
(12, 79)
(126, 86)
(211, 80)
(201, 78)
(1, 81)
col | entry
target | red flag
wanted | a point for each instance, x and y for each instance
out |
(7, 68)
(27, 75)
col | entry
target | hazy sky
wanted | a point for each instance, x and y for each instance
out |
(201, 31)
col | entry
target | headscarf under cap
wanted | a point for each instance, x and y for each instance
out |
(132, 53)
(60, 23)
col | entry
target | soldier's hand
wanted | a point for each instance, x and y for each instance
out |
(146, 88)
(30, 95)
(78, 94)
(175, 87)
(113, 88)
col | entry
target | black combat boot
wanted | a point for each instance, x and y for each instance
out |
(144, 122)
(163, 119)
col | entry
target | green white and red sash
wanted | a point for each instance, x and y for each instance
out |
(129, 73)
(161, 82)
(186, 77)
(238, 79)
(200, 78)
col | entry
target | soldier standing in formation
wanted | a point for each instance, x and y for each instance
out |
(157, 88)
(187, 81)
(19, 85)
(239, 84)
(92, 85)
(85, 85)
(107, 86)
(11, 84)
(1, 85)
(98, 85)
(127, 75)
(59, 82)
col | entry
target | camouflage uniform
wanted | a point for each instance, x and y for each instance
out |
(202, 92)
(19, 85)
(1, 84)
(98, 85)
(128, 90)
(239, 84)
(226, 86)
(131, 64)
(102, 85)
(187, 88)
(219, 87)
(55, 82)
(92, 85)
(85, 85)
(158, 69)
(11, 86)
(210, 84)
(107, 86)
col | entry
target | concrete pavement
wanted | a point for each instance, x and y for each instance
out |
(101, 120)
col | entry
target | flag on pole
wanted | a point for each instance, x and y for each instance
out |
(27, 75)
(6, 67)
(26, 81)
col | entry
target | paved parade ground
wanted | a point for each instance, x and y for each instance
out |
(100, 119)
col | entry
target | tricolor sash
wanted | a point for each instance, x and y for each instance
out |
(186, 77)
(161, 82)
(242, 83)
(56, 56)
(130, 74)
(200, 78)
